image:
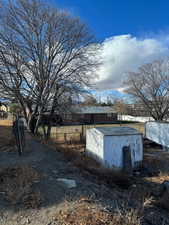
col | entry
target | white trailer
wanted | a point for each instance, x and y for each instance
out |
(158, 132)
(106, 145)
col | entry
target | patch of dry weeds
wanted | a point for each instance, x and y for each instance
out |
(7, 141)
(84, 213)
(16, 185)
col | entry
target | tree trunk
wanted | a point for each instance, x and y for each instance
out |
(24, 109)
(50, 122)
(48, 130)
(37, 123)
(32, 119)
(44, 131)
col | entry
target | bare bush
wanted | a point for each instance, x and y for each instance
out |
(149, 85)
(86, 214)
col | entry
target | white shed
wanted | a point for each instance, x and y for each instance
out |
(158, 132)
(106, 144)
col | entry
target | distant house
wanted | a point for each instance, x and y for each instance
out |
(137, 109)
(3, 110)
(90, 115)
(4, 107)
(82, 115)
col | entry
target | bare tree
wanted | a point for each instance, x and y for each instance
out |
(45, 54)
(120, 106)
(90, 100)
(150, 86)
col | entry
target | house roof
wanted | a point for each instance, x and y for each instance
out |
(76, 109)
(117, 131)
(92, 109)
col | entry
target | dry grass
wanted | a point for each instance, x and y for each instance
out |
(111, 177)
(33, 200)
(16, 184)
(88, 166)
(138, 188)
(6, 123)
(6, 139)
(153, 162)
(84, 213)
(141, 190)
(158, 167)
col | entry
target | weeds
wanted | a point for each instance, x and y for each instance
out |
(87, 164)
(87, 214)
(6, 140)
(16, 184)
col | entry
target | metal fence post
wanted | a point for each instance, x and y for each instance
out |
(19, 134)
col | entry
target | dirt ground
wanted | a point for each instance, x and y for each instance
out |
(31, 194)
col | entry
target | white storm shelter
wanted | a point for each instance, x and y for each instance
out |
(106, 144)
(158, 132)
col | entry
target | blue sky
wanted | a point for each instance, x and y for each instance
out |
(114, 17)
(131, 33)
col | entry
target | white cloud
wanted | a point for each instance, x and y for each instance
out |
(125, 53)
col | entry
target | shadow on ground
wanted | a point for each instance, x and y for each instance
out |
(90, 185)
